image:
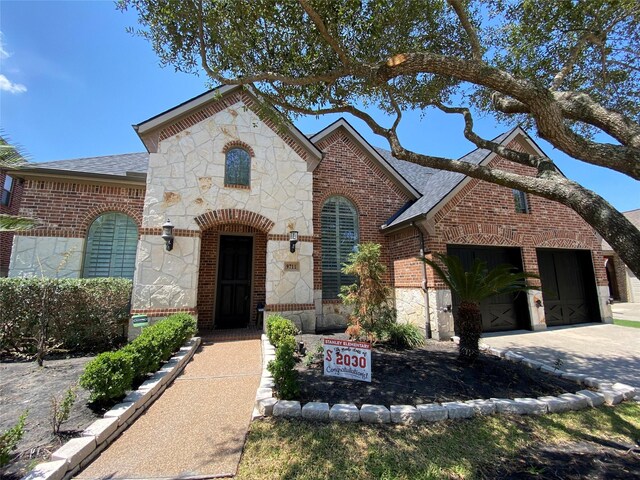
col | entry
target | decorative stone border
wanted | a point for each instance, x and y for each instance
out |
(77, 453)
(608, 392)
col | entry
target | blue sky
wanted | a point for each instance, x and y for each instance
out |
(73, 81)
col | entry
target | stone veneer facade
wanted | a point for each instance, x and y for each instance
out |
(185, 183)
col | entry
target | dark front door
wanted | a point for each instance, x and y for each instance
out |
(233, 299)
(500, 312)
(568, 287)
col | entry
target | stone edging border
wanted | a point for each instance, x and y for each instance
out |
(78, 452)
(607, 392)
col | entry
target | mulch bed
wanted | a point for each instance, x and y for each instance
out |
(432, 373)
(25, 386)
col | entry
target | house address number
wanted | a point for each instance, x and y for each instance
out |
(291, 266)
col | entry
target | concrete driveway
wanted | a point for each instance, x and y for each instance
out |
(596, 349)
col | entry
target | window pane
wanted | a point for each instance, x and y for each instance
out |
(520, 200)
(237, 167)
(6, 190)
(339, 225)
(111, 247)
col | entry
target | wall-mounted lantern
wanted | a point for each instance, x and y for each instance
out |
(293, 239)
(167, 234)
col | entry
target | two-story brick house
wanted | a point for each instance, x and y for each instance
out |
(237, 188)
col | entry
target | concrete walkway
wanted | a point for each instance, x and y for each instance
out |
(626, 311)
(603, 351)
(197, 428)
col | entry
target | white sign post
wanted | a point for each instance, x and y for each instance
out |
(347, 359)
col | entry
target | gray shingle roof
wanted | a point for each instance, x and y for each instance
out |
(433, 184)
(114, 165)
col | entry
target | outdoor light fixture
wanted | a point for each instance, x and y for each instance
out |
(167, 234)
(293, 239)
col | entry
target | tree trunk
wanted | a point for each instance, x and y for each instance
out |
(470, 327)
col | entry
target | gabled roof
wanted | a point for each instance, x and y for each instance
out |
(128, 166)
(436, 185)
(374, 154)
(148, 129)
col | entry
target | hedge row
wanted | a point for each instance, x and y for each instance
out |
(82, 315)
(111, 374)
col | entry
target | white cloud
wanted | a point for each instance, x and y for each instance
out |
(3, 52)
(7, 86)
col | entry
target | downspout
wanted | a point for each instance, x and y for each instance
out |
(424, 279)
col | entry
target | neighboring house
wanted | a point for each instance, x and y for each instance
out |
(235, 186)
(624, 286)
(10, 195)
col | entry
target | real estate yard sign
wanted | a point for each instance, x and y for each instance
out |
(343, 358)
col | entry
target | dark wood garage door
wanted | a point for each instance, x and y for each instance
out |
(568, 287)
(502, 312)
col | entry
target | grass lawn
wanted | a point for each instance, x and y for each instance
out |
(483, 447)
(626, 323)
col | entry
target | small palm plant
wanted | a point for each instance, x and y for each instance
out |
(472, 287)
(11, 157)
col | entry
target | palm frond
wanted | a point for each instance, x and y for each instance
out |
(11, 223)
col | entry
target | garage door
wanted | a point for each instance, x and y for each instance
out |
(501, 312)
(568, 287)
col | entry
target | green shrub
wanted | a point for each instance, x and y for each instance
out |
(108, 376)
(79, 315)
(278, 328)
(282, 368)
(143, 355)
(61, 409)
(10, 438)
(372, 312)
(404, 335)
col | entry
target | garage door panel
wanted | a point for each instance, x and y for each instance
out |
(501, 312)
(567, 278)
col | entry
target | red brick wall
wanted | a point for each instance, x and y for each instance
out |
(209, 266)
(347, 170)
(408, 270)
(6, 238)
(484, 214)
(67, 208)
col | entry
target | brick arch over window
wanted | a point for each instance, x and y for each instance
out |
(94, 213)
(234, 216)
(238, 144)
(340, 192)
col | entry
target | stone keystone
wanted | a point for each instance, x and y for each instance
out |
(594, 399)
(628, 392)
(74, 451)
(316, 411)
(459, 409)
(531, 406)
(287, 408)
(555, 404)
(48, 471)
(343, 412)
(482, 407)
(405, 414)
(375, 414)
(432, 412)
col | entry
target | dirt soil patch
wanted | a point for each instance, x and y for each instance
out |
(432, 373)
(25, 386)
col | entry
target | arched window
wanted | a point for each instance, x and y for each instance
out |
(237, 167)
(339, 223)
(111, 247)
